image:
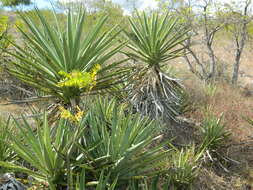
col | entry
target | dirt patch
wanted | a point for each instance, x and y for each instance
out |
(12, 109)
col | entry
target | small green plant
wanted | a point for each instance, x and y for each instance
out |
(184, 168)
(213, 133)
(210, 89)
(214, 136)
(250, 121)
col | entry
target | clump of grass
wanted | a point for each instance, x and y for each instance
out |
(250, 121)
(210, 89)
(227, 100)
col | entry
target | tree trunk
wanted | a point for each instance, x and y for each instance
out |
(209, 36)
(236, 67)
(240, 40)
(202, 74)
(212, 71)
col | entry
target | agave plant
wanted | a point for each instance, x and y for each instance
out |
(107, 139)
(67, 62)
(103, 182)
(153, 41)
(48, 150)
(214, 138)
(184, 168)
(118, 143)
(213, 132)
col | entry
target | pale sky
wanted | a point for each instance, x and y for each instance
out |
(142, 4)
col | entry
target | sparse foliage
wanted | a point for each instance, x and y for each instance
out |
(11, 3)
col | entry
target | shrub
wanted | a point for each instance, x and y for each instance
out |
(46, 150)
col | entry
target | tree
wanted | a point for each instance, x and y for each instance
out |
(112, 10)
(202, 19)
(97, 9)
(238, 27)
(11, 3)
(206, 18)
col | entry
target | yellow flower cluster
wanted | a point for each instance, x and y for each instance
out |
(79, 79)
(66, 114)
(3, 23)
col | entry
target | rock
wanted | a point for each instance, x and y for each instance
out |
(8, 182)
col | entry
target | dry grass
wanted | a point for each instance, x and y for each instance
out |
(208, 179)
(235, 105)
(230, 101)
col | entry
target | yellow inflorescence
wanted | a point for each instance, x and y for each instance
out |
(66, 114)
(3, 23)
(78, 116)
(79, 79)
